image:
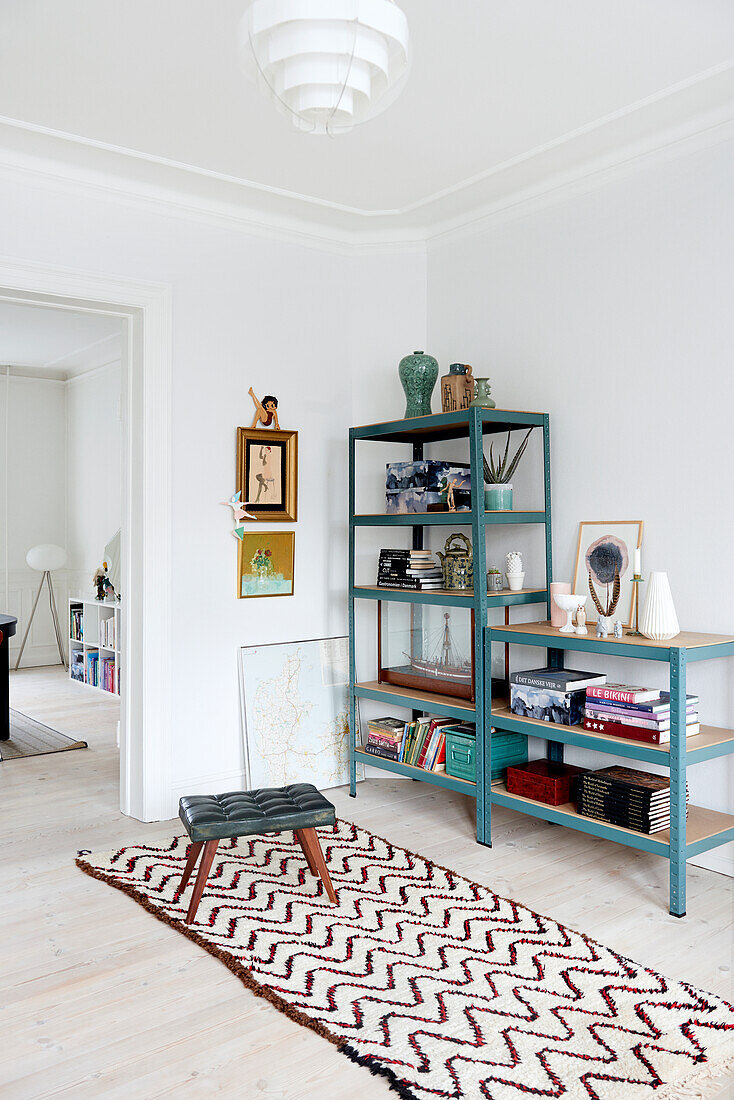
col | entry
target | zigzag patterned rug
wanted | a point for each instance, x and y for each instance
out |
(432, 981)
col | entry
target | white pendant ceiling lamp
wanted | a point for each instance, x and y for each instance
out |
(328, 64)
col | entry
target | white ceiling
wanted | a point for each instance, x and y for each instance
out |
(492, 81)
(56, 343)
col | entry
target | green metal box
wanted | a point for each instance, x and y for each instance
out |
(507, 749)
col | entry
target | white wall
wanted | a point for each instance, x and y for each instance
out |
(247, 310)
(612, 310)
(94, 458)
(35, 478)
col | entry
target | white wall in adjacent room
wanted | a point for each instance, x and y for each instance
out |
(612, 311)
(248, 310)
(94, 459)
(33, 487)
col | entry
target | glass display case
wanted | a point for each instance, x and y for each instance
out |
(428, 648)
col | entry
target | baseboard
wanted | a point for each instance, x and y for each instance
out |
(720, 860)
(215, 783)
(37, 656)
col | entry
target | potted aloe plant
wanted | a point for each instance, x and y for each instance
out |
(498, 476)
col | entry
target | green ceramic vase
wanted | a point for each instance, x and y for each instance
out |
(483, 399)
(418, 373)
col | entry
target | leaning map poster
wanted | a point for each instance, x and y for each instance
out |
(295, 713)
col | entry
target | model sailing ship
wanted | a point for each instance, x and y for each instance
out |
(445, 661)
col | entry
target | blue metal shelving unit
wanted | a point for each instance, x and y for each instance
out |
(471, 424)
(705, 829)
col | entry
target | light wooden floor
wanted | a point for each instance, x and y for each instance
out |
(97, 999)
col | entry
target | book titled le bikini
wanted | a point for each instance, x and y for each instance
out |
(622, 693)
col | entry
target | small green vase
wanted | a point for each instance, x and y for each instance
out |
(418, 373)
(483, 399)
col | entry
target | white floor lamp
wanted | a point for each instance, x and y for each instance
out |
(43, 559)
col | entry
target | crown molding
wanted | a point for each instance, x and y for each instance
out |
(699, 106)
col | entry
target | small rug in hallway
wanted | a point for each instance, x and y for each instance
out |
(31, 738)
(432, 981)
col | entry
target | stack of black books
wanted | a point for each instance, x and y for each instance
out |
(417, 569)
(623, 796)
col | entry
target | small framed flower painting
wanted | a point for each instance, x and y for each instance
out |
(603, 549)
(265, 563)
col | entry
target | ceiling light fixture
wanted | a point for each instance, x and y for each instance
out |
(328, 64)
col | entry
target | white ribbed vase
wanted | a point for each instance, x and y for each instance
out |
(658, 620)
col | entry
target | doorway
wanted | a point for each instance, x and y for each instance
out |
(144, 313)
(61, 505)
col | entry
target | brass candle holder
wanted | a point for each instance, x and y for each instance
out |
(636, 633)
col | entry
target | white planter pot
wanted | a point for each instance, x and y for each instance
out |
(514, 581)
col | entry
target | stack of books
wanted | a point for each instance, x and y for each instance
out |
(384, 737)
(623, 796)
(416, 569)
(552, 694)
(421, 743)
(639, 714)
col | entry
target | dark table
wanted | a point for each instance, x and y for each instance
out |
(7, 630)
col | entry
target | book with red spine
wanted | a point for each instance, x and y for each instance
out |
(647, 723)
(430, 734)
(622, 693)
(439, 764)
(635, 733)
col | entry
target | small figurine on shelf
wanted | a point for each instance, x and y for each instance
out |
(618, 628)
(450, 494)
(602, 627)
(100, 580)
(265, 411)
(581, 620)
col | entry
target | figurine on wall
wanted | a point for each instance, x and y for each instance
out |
(238, 513)
(266, 411)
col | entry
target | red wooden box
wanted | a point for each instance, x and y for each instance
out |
(543, 780)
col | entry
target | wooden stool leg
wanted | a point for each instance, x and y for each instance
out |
(311, 865)
(190, 864)
(210, 849)
(310, 842)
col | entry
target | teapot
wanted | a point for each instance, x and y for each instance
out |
(456, 563)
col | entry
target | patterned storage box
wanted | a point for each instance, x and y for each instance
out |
(416, 486)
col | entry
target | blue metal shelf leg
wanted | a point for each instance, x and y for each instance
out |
(479, 550)
(678, 782)
(352, 660)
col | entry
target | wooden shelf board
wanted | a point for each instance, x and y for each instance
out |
(467, 593)
(438, 426)
(420, 773)
(428, 700)
(686, 639)
(708, 736)
(702, 824)
(434, 518)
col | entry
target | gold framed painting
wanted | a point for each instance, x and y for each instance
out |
(604, 546)
(267, 473)
(265, 563)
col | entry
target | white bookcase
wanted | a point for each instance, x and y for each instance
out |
(95, 635)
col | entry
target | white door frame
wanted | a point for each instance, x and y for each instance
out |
(146, 312)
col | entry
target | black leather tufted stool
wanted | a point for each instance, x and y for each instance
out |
(211, 818)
